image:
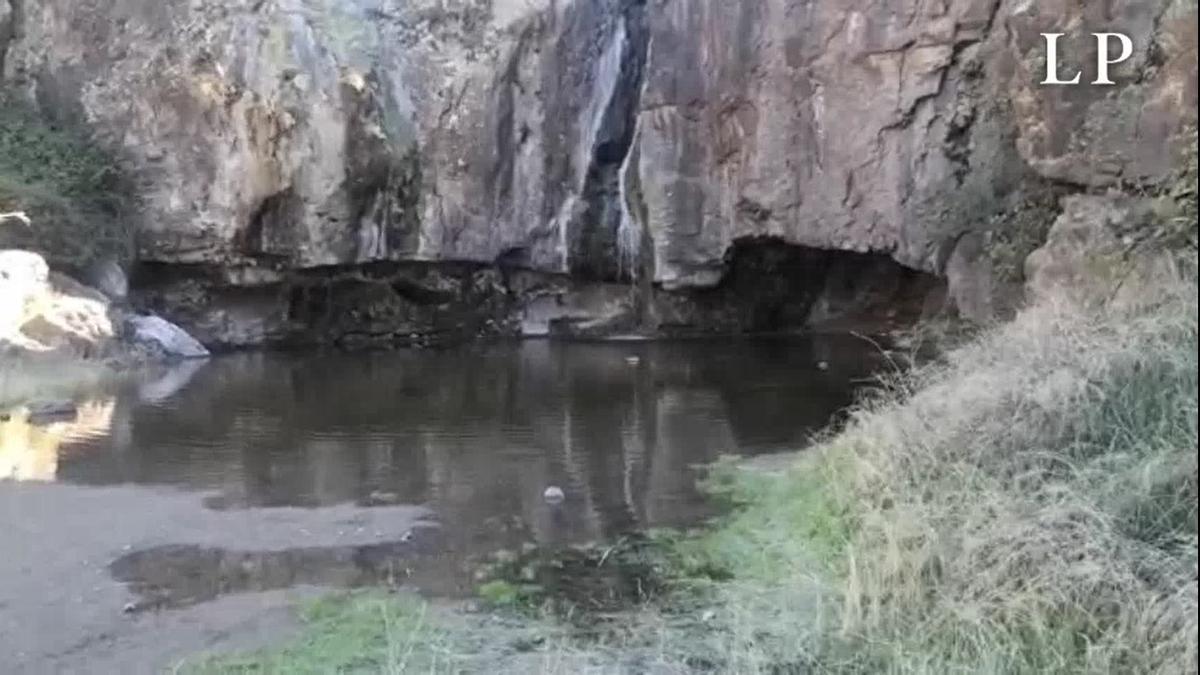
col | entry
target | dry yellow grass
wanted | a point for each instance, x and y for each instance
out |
(1026, 505)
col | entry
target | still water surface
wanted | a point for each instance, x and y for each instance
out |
(474, 436)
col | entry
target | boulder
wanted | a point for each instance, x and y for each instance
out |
(158, 333)
(1096, 253)
(23, 277)
(21, 270)
(50, 315)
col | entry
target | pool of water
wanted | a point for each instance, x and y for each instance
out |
(476, 433)
(260, 471)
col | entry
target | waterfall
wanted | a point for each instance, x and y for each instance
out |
(607, 77)
(602, 236)
(629, 232)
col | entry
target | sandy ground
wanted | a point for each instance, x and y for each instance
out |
(62, 610)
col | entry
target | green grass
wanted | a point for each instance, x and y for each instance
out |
(773, 522)
(376, 632)
(73, 191)
(355, 633)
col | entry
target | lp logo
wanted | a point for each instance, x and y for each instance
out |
(1103, 60)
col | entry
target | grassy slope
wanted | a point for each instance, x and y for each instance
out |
(1027, 506)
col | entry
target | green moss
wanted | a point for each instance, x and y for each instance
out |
(501, 593)
(74, 192)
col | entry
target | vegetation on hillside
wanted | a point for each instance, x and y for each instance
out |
(1027, 505)
(73, 192)
(1018, 232)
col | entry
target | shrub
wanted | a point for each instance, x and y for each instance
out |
(1012, 236)
(75, 193)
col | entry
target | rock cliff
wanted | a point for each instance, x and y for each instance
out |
(279, 144)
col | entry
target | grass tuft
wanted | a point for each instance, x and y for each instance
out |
(352, 633)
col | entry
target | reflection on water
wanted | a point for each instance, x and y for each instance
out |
(178, 575)
(476, 433)
(29, 448)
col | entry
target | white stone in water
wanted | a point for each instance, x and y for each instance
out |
(554, 495)
(173, 340)
(822, 365)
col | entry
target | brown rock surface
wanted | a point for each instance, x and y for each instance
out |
(598, 138)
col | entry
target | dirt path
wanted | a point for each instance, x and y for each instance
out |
(197, 579)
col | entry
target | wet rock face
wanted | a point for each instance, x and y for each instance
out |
(607, 139)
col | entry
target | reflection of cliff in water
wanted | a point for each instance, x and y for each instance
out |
(480, 432)
(30, 448)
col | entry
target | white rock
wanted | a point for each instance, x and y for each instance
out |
(173, 340)
(23, 275)
(554, 495)
(23, 267)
